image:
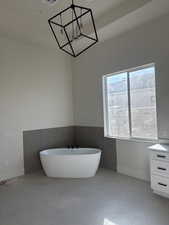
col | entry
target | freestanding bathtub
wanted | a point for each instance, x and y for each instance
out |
(70, 163)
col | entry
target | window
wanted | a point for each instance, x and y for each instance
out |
(130, 104)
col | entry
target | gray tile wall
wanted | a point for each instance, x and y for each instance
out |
(94, 137)
(37, 140)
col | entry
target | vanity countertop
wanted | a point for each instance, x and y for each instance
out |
(160, 147)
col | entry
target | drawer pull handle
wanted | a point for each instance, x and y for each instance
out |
(161, 184)
(160, 168)
(161, 156)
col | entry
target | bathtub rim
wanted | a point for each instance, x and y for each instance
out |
(48, 152)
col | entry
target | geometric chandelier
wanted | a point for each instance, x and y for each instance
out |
(74, 29)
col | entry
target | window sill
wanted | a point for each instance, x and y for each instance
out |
(133, 139)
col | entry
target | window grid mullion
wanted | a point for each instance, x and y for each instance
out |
(107, 128)
(129, 104)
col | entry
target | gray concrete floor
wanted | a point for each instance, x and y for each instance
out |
(107, 199)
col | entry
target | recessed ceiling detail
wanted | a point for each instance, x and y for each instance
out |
(112, 18)
(50, 2)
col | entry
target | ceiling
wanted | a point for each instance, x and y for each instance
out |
(27, 19)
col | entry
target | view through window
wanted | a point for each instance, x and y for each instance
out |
(130, 104)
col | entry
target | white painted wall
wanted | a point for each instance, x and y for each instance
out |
(35, 93)
(143, 45)
(133, 159)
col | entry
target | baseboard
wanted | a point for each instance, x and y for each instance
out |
(8, 177)
(9, 181)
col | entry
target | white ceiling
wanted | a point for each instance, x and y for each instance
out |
(27, 19)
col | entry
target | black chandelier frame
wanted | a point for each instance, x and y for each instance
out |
(76, 19)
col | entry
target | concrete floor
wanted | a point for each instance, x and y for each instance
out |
(107, 199)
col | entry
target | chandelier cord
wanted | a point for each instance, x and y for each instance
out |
(81, 24)
(72, 25)
(61, 23)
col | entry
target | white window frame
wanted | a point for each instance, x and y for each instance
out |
(105, 104)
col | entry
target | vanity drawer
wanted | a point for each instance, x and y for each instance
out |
(160, 167)
(160, 155)
(160, 184)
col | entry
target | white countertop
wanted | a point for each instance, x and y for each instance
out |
(160, 147)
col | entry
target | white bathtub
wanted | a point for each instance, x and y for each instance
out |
(70, 163)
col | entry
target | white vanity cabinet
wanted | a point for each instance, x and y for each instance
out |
(159, 161)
